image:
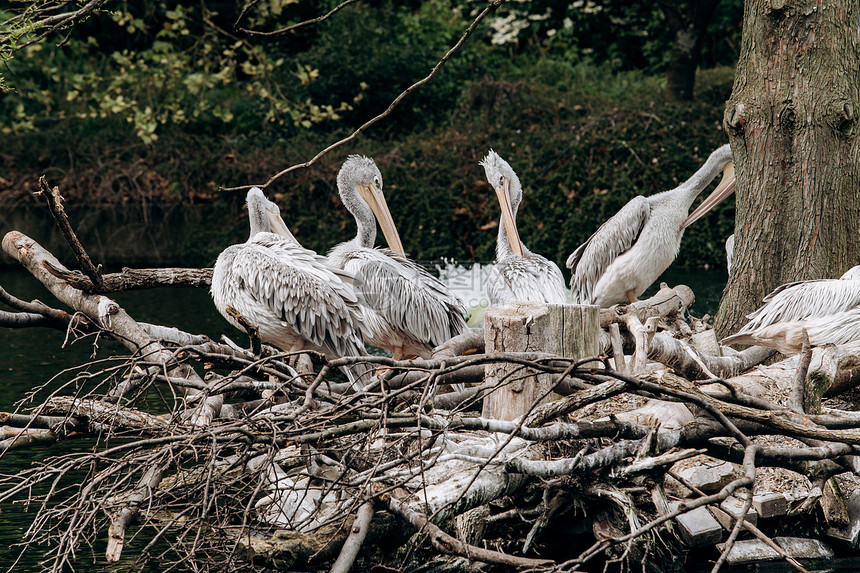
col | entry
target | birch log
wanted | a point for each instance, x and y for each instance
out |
(563, 329)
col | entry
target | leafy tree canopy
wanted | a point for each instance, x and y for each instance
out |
(225, 67)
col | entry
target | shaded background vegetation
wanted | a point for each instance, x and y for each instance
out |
(156, 104)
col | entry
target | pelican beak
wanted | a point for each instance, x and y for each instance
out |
(723, 190)
(376, 200)
(504, 194)
(277, 225)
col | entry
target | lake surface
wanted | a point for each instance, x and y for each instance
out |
(32, 357)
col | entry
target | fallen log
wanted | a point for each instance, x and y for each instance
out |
(105, 413)
(108, 314)
(136, 279)
(688, 361)
(11, 438)
(834, 369)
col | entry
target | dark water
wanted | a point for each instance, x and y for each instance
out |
(33, 357)
(707, 286)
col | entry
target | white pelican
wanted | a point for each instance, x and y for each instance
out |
(295, 299)
(633, 248)
(519, 274)
(829, 310)
(730, 252)
(408, 311)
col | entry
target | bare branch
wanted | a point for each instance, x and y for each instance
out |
(357, 534)
(55, 205)
(490, 7)
(134, 279)
(312, 21)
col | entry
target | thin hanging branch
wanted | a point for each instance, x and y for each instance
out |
(280, 31)
(456, 48)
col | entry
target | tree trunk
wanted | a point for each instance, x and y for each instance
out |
(791, 121)
(689, 29)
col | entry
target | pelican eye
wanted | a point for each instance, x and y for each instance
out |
(376, 182)
(501, 179)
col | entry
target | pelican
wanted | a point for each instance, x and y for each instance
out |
(519, 274)
(829, 310)
(408, 311)
(295, 299)
(730, 252)
(630, 250)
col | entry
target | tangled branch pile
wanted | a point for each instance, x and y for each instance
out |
(253, 462)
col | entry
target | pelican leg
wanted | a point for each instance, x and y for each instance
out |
(396, 354)
(304, 364)
(300, 361)
(631, 297)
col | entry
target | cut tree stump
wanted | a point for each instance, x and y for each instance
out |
(567, 330)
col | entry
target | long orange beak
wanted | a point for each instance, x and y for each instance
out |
(504, 195)
(723, 190)
(278, 226)
(376, 200)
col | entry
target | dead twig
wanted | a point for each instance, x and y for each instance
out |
(310, 22)
(357, 534)
(54, 202)
(454, 49)
(445, 543)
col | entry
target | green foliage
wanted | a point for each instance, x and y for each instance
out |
(165, 64)
(386, 48)
(619, 34)
(168, 102)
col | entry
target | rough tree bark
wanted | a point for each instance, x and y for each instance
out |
(792, 124)
(689, 22)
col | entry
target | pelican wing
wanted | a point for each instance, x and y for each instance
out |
(303, 291)
(804, 300)
(526, 279)
(614, 237)
(407, 296)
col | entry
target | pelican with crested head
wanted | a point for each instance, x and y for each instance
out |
(294, 298)
(519, 275)
(633, 248)
(407, 310)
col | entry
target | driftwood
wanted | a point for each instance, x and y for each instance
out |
(136, 279)
(103, 311)
(695, 366)
(298, 471)
(667, 302)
